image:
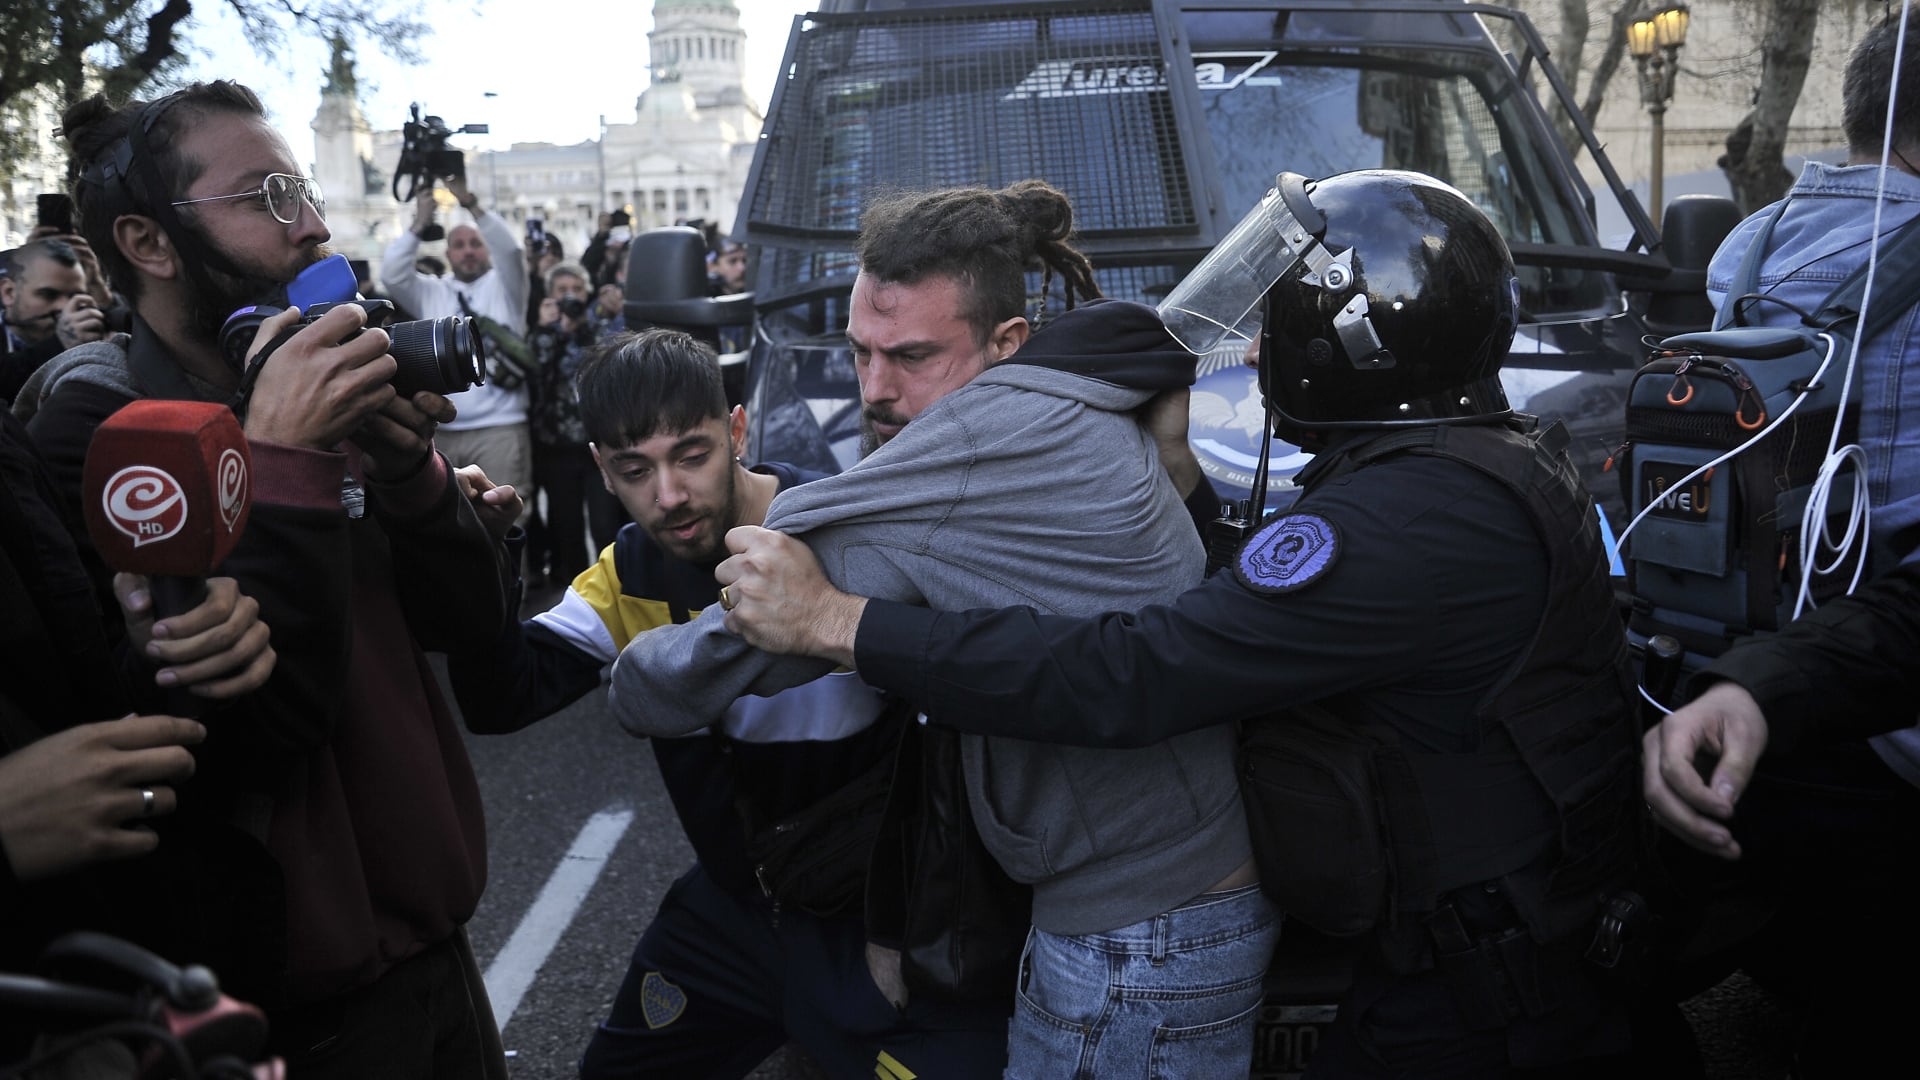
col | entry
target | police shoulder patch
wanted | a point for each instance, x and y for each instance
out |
(1289, 553)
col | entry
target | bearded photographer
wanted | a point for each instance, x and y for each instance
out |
(563, 465)
(342, 841)
(488, 281)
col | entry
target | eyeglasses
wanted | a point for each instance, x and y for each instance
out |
(282, 193)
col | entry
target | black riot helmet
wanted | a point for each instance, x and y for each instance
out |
(1404, 321)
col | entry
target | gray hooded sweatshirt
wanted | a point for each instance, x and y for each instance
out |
(1033, 485)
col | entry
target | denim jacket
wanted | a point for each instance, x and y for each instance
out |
(1823, 237)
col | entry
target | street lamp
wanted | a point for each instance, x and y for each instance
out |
(493, 172)
(1655, 39)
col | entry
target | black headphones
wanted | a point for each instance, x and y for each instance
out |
(130, 165)
(132, 168)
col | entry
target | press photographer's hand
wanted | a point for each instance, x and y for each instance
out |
(457, 186)
(323, 384)
(423, 208)
(395, 441)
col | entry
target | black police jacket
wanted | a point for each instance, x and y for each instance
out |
(1449, 605)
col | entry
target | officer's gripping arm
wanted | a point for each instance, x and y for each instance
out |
(1218, 653)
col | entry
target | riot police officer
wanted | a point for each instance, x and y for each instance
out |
(1440, 757)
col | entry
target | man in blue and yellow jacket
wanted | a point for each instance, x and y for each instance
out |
(762, 940)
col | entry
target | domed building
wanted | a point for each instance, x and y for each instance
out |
(683, 156)
(686, 154)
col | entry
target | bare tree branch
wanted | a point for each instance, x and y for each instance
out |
(159, 48)
(1609, 59)
(48, 47)
(1755, 158)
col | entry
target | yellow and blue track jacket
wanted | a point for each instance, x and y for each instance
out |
(774, 755)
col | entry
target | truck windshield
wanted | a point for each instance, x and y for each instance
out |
(1303, 100)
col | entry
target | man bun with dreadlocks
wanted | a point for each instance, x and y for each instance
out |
(985, 239)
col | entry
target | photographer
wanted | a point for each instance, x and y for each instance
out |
(543, 251)
(489, 282)
(563, 467)
(608, 248)
(44, 294)
(343, 847)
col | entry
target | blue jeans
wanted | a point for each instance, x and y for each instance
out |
(1171, 996)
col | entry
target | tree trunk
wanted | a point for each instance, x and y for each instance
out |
(1756, 150)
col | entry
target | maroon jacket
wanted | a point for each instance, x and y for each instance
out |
(333, 827)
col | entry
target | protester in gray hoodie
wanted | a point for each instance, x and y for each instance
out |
(1020, 474)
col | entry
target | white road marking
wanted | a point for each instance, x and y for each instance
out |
(553, 910)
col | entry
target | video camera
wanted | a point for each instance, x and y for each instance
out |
(425, 155)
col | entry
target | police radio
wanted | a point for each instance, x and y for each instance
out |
(1227, 533)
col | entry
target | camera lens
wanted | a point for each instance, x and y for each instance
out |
(441, 355)
(237, 333)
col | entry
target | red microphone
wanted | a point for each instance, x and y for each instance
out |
(166, 495)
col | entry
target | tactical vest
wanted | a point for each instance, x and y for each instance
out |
(1549, 804)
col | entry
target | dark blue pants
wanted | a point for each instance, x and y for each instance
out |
(720, 981)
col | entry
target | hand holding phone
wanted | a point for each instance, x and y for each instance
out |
(55, 211)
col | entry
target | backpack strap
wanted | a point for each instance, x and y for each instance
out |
(1746, 279)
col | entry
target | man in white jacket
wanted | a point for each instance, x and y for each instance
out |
(489, 280)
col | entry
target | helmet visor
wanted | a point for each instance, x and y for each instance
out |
(1213, 301)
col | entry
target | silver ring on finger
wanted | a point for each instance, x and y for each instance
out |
(146, 802)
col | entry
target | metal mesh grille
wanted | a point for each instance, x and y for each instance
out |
(973, 96)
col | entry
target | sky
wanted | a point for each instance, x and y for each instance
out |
(555, 66)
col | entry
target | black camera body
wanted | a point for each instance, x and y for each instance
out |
(445, 355)
(573, 307)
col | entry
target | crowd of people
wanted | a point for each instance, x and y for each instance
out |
(982, 777)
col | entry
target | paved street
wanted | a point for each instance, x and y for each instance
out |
(541, 788)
